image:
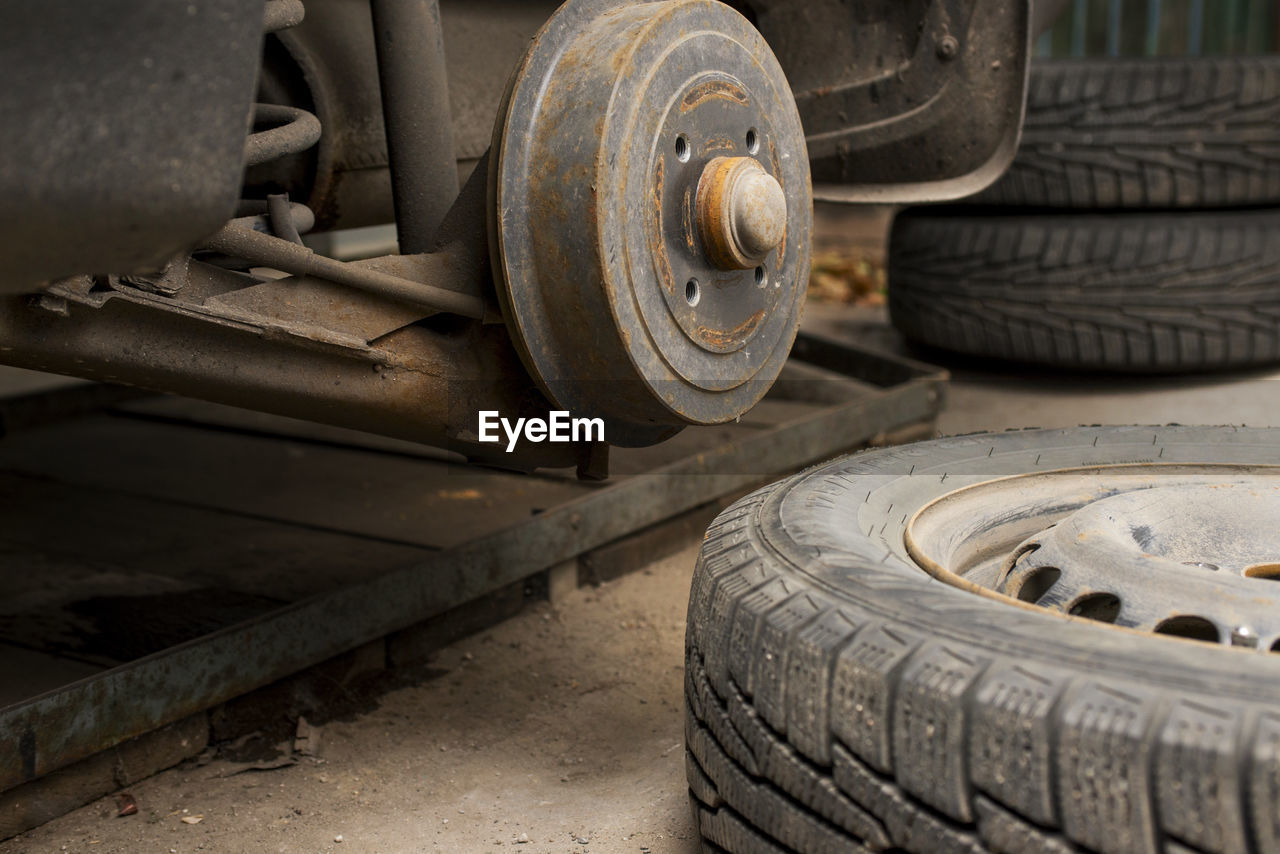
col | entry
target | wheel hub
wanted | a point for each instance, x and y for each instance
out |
(651, 212)
(1173, 549)
(742, 212)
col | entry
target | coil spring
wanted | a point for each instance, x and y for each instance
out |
(279, 131)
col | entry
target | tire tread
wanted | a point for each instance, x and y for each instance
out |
(1120, 292)
(1184, 132)
(971, 750)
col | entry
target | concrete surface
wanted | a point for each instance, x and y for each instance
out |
(987, 395)
(557, 731)
(995, 400)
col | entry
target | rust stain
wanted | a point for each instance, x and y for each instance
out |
(722, 143)
(460, 494)
(776, 162)
(686, 211)
(656, 243)
(713, 89)
(710, 212)
(725, 337)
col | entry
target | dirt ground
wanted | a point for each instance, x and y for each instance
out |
(557, 731)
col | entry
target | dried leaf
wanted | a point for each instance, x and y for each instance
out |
(126, 805)
(850, 277)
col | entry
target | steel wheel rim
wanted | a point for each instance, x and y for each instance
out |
(1080, 543)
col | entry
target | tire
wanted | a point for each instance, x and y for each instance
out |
(1147, 133)
(839, 699)
(1135, 292)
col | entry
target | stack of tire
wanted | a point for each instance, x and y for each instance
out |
(1137, 230)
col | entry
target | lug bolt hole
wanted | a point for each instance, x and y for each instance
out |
(753, 141)
(760, 277)
(692, 292)
(682, 148)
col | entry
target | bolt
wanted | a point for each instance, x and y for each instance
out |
(1244, 636)
(948, 47)
(742, 212)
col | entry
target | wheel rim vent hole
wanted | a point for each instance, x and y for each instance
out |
(1103, 607)
(1190, 627)
(1264, 571)
(1036, 583)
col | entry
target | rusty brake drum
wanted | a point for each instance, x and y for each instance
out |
(650, 211)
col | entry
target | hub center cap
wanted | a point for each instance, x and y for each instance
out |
(742, 212)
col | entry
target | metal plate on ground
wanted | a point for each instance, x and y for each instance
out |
(179, 554)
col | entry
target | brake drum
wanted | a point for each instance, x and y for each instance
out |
(650, 211)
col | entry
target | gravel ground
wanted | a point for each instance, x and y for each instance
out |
(557, 731)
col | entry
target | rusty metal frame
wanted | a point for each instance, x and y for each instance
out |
(56, 729)
(305, 346)
(388, 330)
